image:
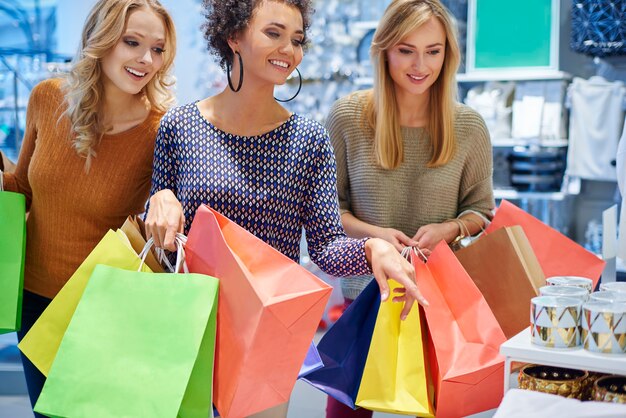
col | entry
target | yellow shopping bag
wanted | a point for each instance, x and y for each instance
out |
(41, 343)
(395, 375)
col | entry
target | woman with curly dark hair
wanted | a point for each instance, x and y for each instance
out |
(243, 154)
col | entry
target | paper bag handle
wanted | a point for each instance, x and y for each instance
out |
(406, 253)
(180, 242)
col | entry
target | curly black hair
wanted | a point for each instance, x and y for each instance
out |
(226, 18)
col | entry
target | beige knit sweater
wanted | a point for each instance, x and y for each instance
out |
(413, 194)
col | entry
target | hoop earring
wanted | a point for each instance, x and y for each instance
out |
(228, 69)
(299, 88)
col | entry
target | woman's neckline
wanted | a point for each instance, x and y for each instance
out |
(223, 132)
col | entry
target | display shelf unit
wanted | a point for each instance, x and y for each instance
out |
(521, 349)
(521, 75)
(512, 194)
(514, 142)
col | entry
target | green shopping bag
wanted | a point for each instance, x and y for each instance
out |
(139, 345)
(12, 248)
(42, 341)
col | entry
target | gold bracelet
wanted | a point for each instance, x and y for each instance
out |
(462, 231)
(480, 226)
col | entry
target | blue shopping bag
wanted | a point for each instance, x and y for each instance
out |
(344, 348)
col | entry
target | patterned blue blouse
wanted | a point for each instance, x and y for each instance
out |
(271, 184)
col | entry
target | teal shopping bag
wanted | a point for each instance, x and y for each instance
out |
(139, 345)
(12, 248)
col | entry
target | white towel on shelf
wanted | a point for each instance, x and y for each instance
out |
(519, 403)
(596, 122)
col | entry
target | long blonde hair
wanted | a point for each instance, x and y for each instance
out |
(382, 113)
(84, 89)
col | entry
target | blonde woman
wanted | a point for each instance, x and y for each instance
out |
(414, 166)
(86, 158)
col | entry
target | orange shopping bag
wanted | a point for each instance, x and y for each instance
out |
(269, 309)
(557, 254)
(464, 337)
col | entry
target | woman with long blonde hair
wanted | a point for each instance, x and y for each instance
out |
(414, 166)
(86, 157)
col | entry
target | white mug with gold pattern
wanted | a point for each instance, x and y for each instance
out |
(604, 327)
(555, 321)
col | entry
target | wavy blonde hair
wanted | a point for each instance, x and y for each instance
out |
(382, 114)
(84, 89)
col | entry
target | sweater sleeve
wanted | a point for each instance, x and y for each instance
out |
(329, 247)
(18, 181)
(476, 192)
(336, 131)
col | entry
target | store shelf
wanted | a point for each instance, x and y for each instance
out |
(513, 142)
(521, 349)
(495, 76)
(512, 75)
(511, 194)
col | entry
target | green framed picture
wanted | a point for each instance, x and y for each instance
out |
(513, 35)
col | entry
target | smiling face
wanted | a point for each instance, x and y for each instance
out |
(271, 46)
(416, 61)
(137, 56)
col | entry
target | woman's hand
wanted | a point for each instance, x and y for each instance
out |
(396, 238)
(387, 263)
(165, 218)
(428, 236)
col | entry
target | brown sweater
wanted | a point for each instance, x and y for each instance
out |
(71, 210)
(413, 194)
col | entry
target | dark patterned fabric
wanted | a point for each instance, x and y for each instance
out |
(273, 184)
(599, 27)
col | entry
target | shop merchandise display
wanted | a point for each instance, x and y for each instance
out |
(493, 102)
(604, 327)
(538, 110)
(554, 380)
(537, 169)
(565, 291)
(596, 119)
(574, 281)
(607, 296)
(610, 389)
(619, 287)
(555, 321)
(598, 28)
(518, 403)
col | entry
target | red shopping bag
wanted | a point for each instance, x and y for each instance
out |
(557, 254)
(464, 337)
(268, 312)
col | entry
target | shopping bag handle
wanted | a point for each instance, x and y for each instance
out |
(406, 253)
(180, 240)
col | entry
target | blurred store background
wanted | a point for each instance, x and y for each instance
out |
(524, 86)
